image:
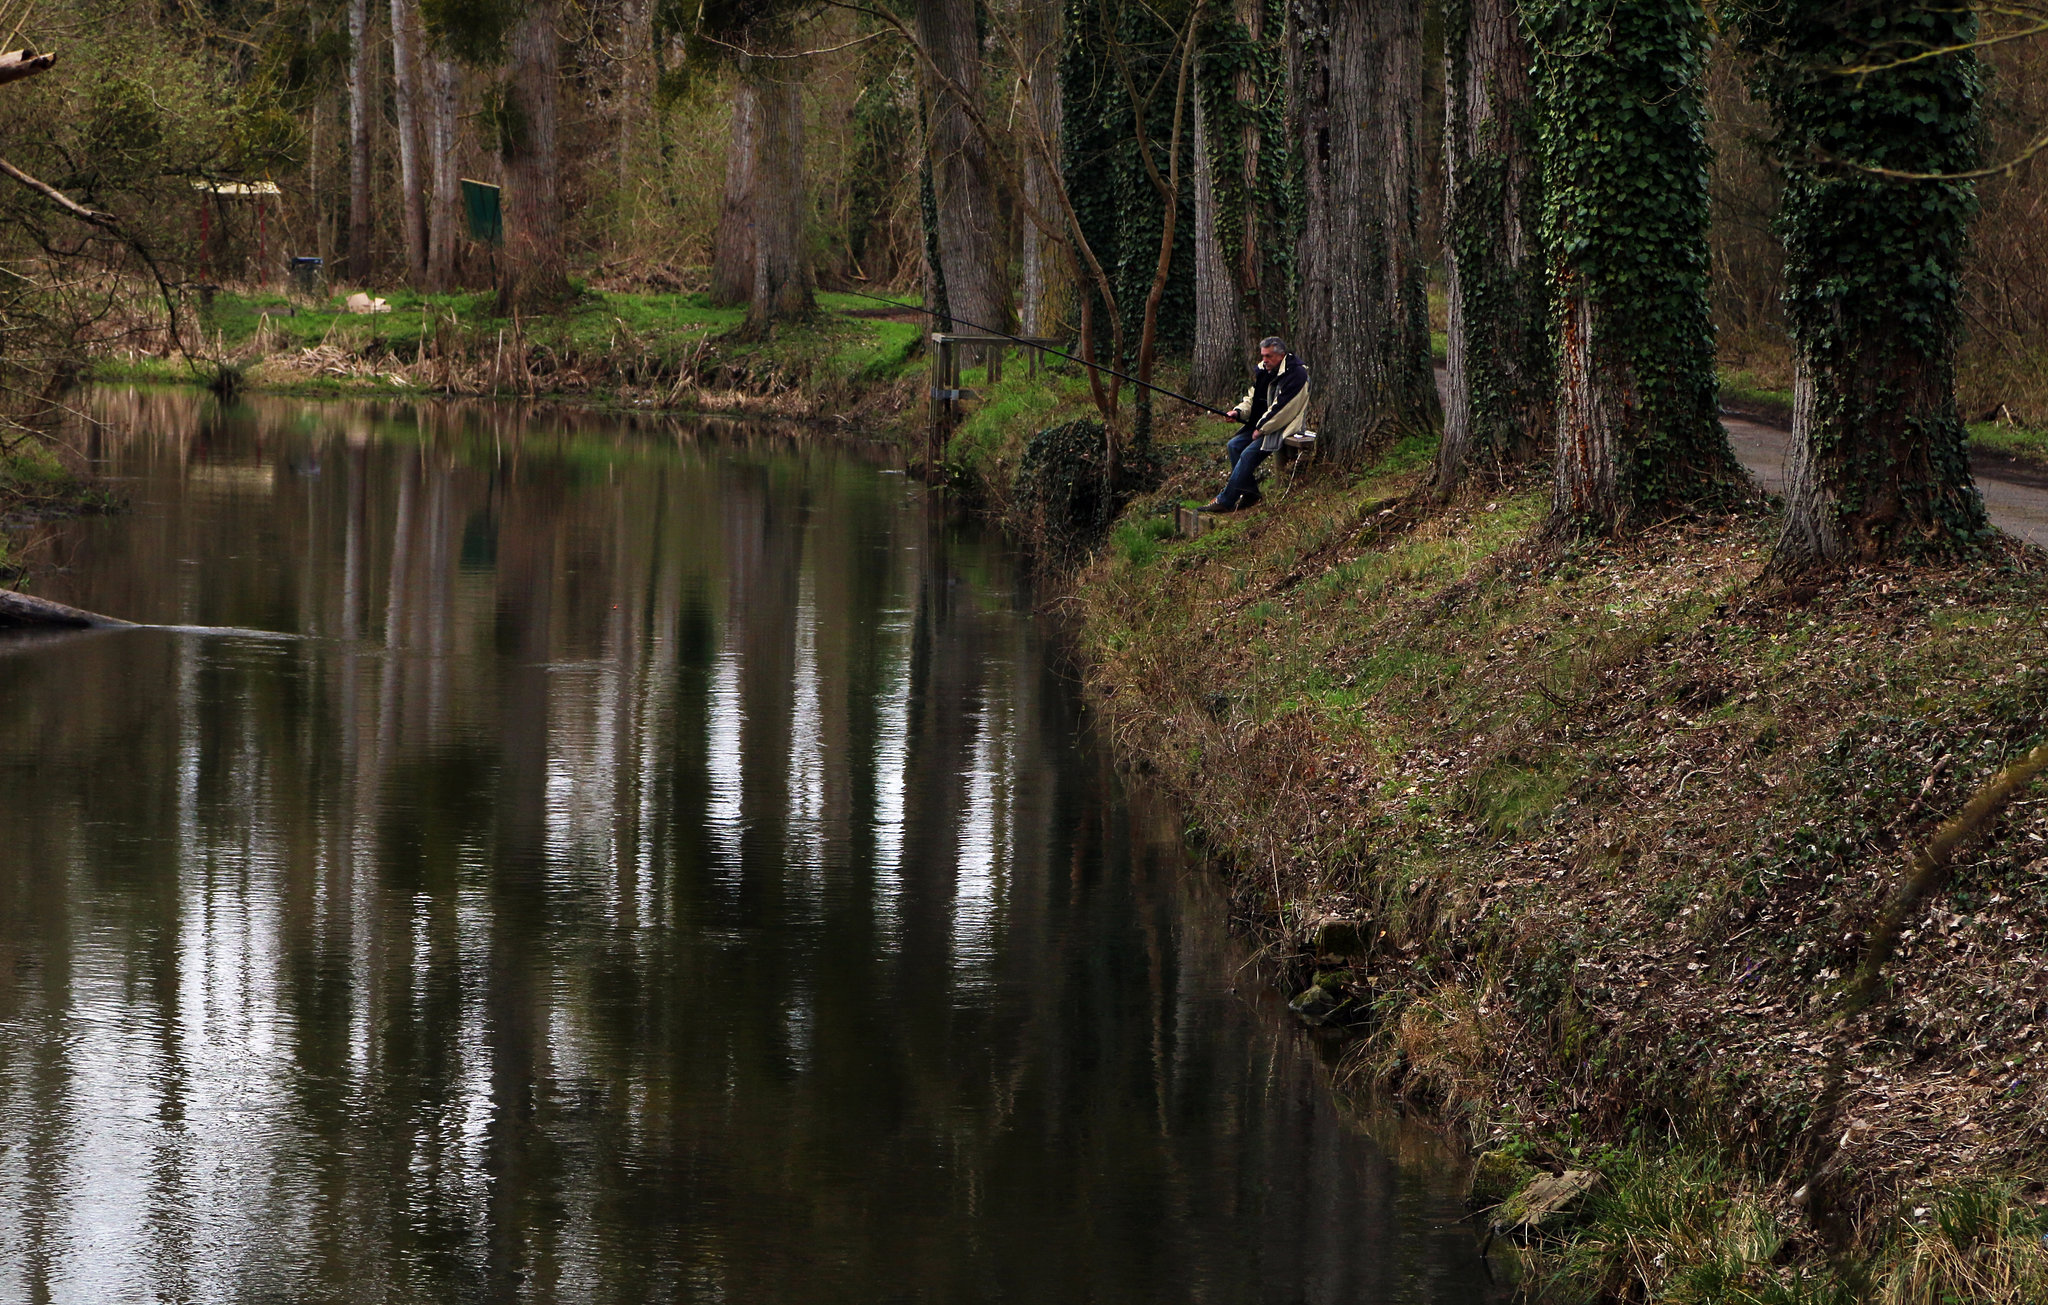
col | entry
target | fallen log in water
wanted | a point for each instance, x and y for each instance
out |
(21, 612)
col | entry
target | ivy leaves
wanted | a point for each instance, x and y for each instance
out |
(1621, 134)
(1873, 265)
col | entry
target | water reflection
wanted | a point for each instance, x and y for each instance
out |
(663, 871)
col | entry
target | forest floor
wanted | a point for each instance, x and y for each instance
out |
(1601, 828)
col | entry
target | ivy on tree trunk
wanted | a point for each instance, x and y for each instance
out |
(1873, 270)
(1121, 211)
(1624, 168)
(1502, 375)
(1362, 314)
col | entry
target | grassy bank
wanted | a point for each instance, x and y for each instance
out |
(1581, 842)
(641, 350)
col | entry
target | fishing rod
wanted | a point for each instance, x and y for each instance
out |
(931, 312)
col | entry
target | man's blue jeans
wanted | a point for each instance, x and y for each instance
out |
(1245, 457)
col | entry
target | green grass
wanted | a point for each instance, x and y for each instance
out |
(1002, 417)
(1137, 542)
(1745, 391)
(2012, 441)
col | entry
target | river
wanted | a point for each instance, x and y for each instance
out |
(662, 861)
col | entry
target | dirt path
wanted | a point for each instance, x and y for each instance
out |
(2016, 494)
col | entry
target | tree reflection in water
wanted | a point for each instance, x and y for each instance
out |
(665, 869)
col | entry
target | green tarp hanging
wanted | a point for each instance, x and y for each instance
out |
(486, 215)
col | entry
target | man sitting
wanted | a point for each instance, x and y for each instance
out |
(1275, 407)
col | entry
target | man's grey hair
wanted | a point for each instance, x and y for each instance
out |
(1273, 342)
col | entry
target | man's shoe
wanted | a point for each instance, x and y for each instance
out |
(1214, 505)
(1252, 499)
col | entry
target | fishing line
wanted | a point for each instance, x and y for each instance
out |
(929, 312)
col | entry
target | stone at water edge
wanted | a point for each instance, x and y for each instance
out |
(1324, 999)
(1333, 935)
(1548, 1201)
(1495, 1176)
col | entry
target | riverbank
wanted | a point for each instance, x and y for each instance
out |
(857, 360)
(1580, 843)
(854, 359)
(36, 485)
(1583, 842)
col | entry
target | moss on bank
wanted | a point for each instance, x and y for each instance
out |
(35, 483)
(1614, 821)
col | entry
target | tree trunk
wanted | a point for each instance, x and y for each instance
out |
(1222, 333)
(1363, 315)
(968, 224)
(1236, 238)
(636, 94)
(1046, 291)
(1498, 408)
(412, 188)
(444, 105)
(359, 141)
(732, 250)
(782, 275)
(534, 271)
(1880, 463)
(1624, 168)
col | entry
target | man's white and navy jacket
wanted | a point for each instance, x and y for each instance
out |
(1277, 402)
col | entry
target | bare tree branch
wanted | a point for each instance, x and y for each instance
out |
(58, 197)
(2038, 144)
(17, 64)
(1980, 43)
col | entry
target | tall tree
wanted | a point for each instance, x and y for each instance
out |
(1242, 179)
(1046, 284)
(782, 275)
(1498, 402)
(445, 213)
(534, 271)
(1867, 121)
(732, 246)
(1363, 314)
(359, 72)
(1624, 168)
(635, 92)
(1223, 332)
(408, 93)
(969, 225)
(760, 258)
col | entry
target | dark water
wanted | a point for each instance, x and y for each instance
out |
(668, 868)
